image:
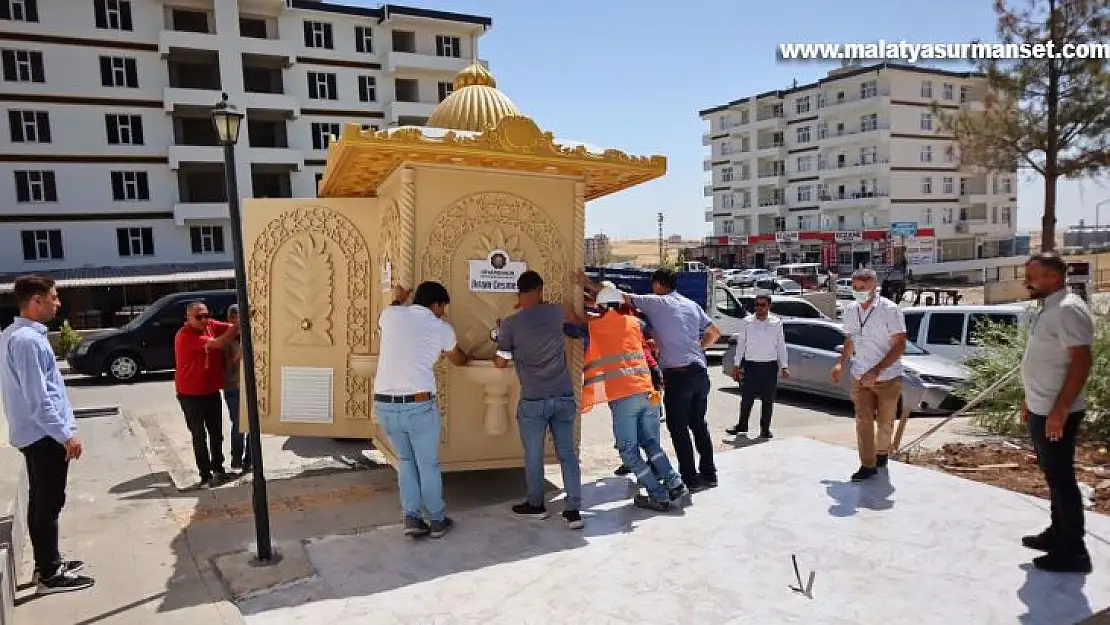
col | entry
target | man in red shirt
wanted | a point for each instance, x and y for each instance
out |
(199, 376)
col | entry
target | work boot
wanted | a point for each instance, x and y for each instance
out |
(1038, 542)
(647, 503)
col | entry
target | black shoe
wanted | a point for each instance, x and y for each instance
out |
(220, 476)
(1061, 563)
(236, 464)
(573, 519)
(766, 435)
(246, 468)
(204, 484)
(737, 430)
(864, 473)
(622, 470)
(528, 510)
(63, 582)
(439, 528)
(881, 460)
(416, 527)
(708, 482)
(678, 492)
(68, 566)
(647, 503)
(1038, 542)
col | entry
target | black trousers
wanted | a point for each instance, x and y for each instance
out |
(1057, 461)
(47, 472)
(204, 416)
(760, 381)
(686, 400)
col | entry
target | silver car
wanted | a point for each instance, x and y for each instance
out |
(813, 346)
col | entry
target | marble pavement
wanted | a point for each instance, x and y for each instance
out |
(920, 547)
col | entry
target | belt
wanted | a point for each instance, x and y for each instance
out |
(404, 399)
(683, 368)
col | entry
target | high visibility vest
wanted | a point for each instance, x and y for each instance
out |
(615, 366)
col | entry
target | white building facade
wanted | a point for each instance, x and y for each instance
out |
(109, 157)
(846, 170)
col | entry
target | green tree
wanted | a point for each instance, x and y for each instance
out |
(1048, 115)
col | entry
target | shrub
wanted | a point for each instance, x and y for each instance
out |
(68, 339)
(1001, 348)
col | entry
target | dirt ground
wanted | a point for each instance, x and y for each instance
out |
(1013, 466)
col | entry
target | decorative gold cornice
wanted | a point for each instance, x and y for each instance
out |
(360, 160)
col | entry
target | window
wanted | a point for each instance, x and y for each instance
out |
(745, 117)
(981, 323)
(926, 121)
(724, 122)
(19, 10)
(726, 148)
(321, 132)
(319, 177)
(913, 326)
(926, 88)
(29, 126)
(367, 89)
(869, 89)
(207, 239)
(318, 35)
(124, 129)
(947, 91)
(805, 193)
(130, 186)
(868, 155)
(965, 93)
(803, 134)
(135, 241)
(727, 174)
(1007, 186)
(805, 163)
(728, 200)
(950, 154)
(823, 130)
(928, 219)
(35, 186)
(927, 154)
(364, 39)
(322, 86)
(926, 185)
(112, 14)
(23, 65)
(726, 303)
(801, 105)
(117, 71)
(727, 226)
(42, 245)
(448, 46)
(445, 89)
(945, 329)
(868, 123)
(806, 335)
(949, 185)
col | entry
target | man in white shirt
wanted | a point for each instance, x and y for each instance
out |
(760, 357)
(413, 340)
(875, 340)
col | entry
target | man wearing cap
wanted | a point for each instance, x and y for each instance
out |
(616, 372)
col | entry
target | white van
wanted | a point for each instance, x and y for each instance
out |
(951, 331)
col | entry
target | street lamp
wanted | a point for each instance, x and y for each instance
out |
(228, 121)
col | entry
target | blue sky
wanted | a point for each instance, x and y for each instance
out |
(632, 75)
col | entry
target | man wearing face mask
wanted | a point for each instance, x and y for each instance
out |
(1054, 373)
(875, 338)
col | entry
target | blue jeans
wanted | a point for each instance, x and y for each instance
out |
(413, 430)
(239, 450)
(636, 427)
(534, 418)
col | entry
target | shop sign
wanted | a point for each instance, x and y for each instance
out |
(903, 229)
(787, 236)
(848, 236)
(498, 273)
(737, 239)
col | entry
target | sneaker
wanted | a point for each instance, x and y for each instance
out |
(63, 582)
(573, 519)
(1038, 542)
(622, 470)
(766, 435)
(528, 510)
(678, 492)
(236, 464)
(736, 430)
(68, 566)
(647, 503)
(864, 473)
(1061, 563)
(438, 528)
(881, 460)
(416, 527)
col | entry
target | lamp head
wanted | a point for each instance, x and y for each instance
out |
(227, 120)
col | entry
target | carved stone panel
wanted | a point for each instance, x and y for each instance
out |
(306, 286)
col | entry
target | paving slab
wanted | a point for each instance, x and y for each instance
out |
(911, 546)
(244, 574)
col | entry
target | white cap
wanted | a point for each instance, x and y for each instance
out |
(610, 295)
(608, 284)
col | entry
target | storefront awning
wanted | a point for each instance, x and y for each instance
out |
(107, 279)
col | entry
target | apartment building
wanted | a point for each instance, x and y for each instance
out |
(853, 169)
(110, 159)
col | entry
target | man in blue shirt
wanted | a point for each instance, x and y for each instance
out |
(42, 426)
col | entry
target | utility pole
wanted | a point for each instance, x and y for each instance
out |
(662, 256)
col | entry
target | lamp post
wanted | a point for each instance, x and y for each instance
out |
(228, 121)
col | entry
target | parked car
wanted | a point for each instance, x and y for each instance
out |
(844, 288)
(786, 306)
(813, 346)
(145, 344)
(952, 331)
(778, 286)
(748, 277)
(730, 276)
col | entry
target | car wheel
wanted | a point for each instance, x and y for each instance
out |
(123, 367)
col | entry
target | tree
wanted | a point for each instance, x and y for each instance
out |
(1049, 115)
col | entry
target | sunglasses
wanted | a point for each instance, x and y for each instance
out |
(762, 305)
(202, 316)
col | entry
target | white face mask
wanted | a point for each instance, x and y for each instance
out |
(862, 296)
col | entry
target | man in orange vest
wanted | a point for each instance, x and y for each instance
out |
(616, 371)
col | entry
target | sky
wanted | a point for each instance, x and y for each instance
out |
(633, 76)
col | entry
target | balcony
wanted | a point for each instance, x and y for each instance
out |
(397, 109)
(179, 154)
(856, 100)
(773, 203)
(171, 40)
(707, 191)
(272, 102)
(870, 199)
(184, 212)
(847, 136)
(274, 48)
(424, 62)
(709, 214)
(174, 97)
(276, 156)
(855, 168)
(706, 138)
(707, 164)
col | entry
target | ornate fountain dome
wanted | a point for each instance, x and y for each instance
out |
(475, 104)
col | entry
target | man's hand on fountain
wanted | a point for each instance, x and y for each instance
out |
(401, 294)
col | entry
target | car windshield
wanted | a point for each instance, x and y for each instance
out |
(142, 318)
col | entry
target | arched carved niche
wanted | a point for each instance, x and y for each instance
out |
(318, 222)
(494, 220)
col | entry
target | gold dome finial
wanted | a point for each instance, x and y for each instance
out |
(475, 104)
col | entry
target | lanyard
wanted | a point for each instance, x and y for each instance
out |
(863, 320)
